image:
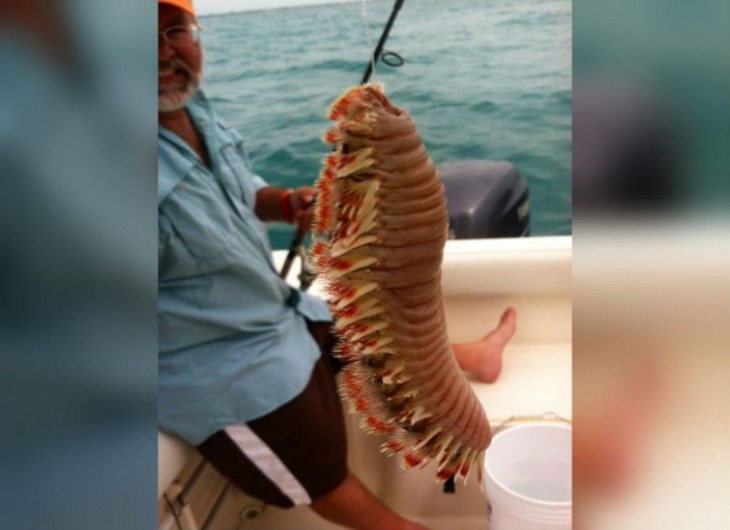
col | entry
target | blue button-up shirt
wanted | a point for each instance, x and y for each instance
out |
(233, 340)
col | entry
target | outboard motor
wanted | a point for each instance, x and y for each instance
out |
(486, 199)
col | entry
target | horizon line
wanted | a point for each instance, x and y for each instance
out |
(258, 9)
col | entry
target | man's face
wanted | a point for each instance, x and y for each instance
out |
(179, 67)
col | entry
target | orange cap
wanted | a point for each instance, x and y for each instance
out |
(185, 5)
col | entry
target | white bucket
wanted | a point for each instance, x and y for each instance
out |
(528, 478)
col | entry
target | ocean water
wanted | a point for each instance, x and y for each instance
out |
(483, 79)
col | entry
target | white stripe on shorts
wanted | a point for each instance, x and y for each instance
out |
(268, 463)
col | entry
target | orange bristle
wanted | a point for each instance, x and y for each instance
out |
(344, 160)
(331, 160)
(351, 384)
(332, 136)
(322, 221)
(319, 249)
(404, 416)
(339, 230)
(345, 352)
(352, 228)
(355, 328)
(324, 188)
(464, 472)
(361, 404)
(342, 290)
(328, 175)
(393, 447)
(380, 427)
(348, 311)
(353, 199)
(339, 108)
(340, 264)
(412, 460)
(368, 343)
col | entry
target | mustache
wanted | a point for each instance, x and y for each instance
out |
(176, 63)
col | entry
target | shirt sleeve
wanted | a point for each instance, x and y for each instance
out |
(259, 182)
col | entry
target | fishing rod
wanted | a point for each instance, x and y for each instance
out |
(293, 248)
(296, 248)
(378, 53)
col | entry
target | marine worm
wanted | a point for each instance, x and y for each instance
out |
(379, 231)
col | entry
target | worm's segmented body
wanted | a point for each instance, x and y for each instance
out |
(379, 232)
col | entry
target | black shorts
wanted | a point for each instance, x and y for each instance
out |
(295, 454)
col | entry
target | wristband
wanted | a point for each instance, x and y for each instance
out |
(285, 203)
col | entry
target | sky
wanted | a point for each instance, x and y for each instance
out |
(210, 7)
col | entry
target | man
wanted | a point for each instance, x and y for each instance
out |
(243, 371)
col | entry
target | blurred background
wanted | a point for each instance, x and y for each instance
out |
(651, 377)
(78, 366)
(651, 265)
(78, 269)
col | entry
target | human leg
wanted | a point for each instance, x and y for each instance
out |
(297, 456)
(352, 505)
(290, 456)
(483, 358)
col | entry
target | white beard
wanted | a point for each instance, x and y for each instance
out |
(175, 98)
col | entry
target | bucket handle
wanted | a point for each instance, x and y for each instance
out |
(549, 417)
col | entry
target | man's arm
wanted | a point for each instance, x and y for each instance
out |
(294, 206)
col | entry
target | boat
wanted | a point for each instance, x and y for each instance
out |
(481, 277)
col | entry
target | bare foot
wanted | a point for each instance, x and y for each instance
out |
(483, 358)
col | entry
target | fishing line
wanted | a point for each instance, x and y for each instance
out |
(368, 35)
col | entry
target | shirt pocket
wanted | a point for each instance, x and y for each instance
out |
(235, 158)
(237, 176)
(193, 236)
